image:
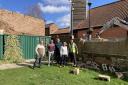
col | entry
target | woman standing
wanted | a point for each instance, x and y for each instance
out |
(63, 53)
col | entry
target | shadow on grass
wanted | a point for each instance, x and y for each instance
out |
(30, 64)
(99, 79)
(26, 64)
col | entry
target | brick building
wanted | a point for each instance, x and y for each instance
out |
(102, 14)
(99, 16)
(63, 32)
(79, 9)
(50, 29)
(15, 23)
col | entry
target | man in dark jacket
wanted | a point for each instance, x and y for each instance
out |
(57, 50)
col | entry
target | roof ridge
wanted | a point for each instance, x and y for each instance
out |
(106, 4)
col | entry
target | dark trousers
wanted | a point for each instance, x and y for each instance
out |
(73, 57)
(57, 57)
(37, 61)
(63, 60)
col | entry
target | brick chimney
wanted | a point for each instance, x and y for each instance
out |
(79, 12)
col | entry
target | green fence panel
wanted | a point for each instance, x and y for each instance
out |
(28, 45)
(1, 46)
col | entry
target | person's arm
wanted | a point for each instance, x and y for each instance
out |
(68, 47)
(67, 51)
(61, 51)
(76, 48)
(37, 49)
(54, 47)
(48, 47)
(44, 51)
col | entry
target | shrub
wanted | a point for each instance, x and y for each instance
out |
(13, 52)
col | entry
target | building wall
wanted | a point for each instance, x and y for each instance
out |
(115, 32)
(60, 35)
(53, 28)
(22, 24)
(47, 32)
(81, 32)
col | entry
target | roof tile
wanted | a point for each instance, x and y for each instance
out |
(102, 14)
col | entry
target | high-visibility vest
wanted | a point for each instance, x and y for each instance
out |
(72, 47)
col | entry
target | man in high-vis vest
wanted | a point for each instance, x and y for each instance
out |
(73, 50)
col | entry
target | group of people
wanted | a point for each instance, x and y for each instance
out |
(58, 52)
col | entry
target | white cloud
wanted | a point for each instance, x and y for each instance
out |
(64, 21)
(57, 2)
(53, 9)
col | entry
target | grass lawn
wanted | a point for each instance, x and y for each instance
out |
(52, 76)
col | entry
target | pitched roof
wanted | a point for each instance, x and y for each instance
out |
(104, 13)
(62, 31)
(15, 23)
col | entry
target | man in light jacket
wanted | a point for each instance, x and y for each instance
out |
(40, 52)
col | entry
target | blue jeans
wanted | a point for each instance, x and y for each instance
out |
(63, 59)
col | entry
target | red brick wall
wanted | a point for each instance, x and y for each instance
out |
(21, 24)
(80, 33)
(116, 32)
(53, 28)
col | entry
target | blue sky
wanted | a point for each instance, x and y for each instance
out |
(56, 11)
